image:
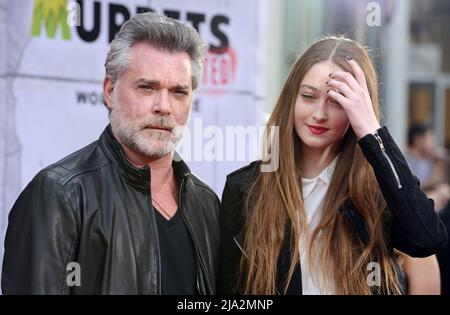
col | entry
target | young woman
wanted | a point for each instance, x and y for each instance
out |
(327, 220)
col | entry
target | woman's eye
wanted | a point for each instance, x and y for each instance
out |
(308, 97)
(332, 101)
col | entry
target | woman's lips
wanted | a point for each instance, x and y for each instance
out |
(316, 130)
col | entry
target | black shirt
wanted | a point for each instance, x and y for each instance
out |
(178, 266)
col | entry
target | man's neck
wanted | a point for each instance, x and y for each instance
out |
(161, 167)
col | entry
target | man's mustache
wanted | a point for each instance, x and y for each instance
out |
(159, 123)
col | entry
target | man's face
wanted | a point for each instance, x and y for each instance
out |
(150, 107)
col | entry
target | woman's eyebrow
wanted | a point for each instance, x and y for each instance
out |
(309, 86)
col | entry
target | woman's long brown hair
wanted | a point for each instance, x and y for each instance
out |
(275, 198)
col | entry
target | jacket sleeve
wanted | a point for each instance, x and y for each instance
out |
(415, 228)
(40, 240)
(230, 255)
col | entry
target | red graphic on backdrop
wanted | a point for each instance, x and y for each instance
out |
(219, 68)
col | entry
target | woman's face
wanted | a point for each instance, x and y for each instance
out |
(319, 121)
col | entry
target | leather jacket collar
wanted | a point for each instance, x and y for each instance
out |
(137, 177)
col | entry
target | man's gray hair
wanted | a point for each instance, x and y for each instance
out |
(160, 32)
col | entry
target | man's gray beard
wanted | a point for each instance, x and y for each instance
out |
(151, 143)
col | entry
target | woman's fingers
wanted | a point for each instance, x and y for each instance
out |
(359, 74)
(347, 78)
(340, 86)
(357, 83)
(338, 97)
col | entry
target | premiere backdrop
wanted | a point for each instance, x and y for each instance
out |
(51, 73)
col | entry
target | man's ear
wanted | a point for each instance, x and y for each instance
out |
(108, 88)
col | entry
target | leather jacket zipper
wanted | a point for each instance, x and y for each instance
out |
(383, 149)
(157, 241)
(188, 225)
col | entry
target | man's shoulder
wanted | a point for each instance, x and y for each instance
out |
(200, 184)
(86, 160)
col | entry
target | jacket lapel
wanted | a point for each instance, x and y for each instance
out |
(352, 216)
(283, 263)
(355, 220)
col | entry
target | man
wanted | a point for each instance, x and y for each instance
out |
(124, 215)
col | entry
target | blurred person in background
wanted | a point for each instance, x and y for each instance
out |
(444, 255)
(419, 276)
(429, 164)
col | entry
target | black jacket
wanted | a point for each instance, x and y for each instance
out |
(414, 227)
(94, 208)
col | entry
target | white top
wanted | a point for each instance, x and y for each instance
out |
(314, 191)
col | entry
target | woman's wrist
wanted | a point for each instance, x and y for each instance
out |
(368, 130)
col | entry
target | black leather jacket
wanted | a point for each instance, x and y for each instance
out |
(94, 208)
(413, 228)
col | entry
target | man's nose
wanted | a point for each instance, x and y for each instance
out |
(161, 103)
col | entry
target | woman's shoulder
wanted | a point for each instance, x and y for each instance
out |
(243, 175)
(234, 196)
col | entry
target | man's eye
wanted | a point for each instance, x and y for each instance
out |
(180, 92)
(146, 87)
